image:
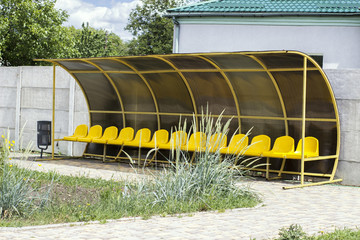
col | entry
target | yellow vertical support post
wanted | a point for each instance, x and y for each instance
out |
(303, 121)
(53, 115)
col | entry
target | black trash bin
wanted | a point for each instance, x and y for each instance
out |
(43, 135)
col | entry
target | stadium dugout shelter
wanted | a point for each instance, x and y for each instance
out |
(276, 93)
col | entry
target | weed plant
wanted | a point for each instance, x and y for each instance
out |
(295, 232)
(19, 194)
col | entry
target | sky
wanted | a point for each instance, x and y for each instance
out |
(111, 15)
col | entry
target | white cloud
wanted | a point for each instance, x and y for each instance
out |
(112, 18)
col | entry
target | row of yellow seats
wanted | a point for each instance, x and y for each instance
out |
(260, 145)
(179, 139)
(284, 148)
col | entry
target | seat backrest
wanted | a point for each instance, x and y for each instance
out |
(143, 135)
(311, 146)
(283, 144)
(110, 133)
(160, 137)
(95, 131)
(81, 130)
(260, 143)
(178, 138)
(217, 140)
(238, 142)
(126, 134)
(197, 139)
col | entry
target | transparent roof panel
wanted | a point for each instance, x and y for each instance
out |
(256, 94)
(111, 65)
(318, 99)
(171, 92)
(211, 89)
(171, 123)
(100, 93)
(234, 61)
(147, 63)
(271, 128)
(138, 121)
(134, 93)
(291, 88)
(286, 60)
(189, 62)
(78, 66)
(107, 120)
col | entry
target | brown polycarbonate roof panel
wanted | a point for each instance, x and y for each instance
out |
(190, 62)
(272, 128)
(210, 88)
(147, 63)
(171, 92)
(111, 65)
(291, 88)
(100, 93)
(75, 65)
(234, 61)
(171, 123)
(138, 121)
(134, 93)
(288, 60)
(318, 99)
(256, 94)
(107, 120)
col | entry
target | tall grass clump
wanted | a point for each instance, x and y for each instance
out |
(205, 177)
(18, 194)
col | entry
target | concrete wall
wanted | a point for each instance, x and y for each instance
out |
(339, 44)
(346, 87)
(26, 97)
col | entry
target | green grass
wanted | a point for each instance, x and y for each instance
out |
(181, 188)
(295, 232)
(76, 199)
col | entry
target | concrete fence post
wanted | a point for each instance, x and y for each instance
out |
(71, 114)
(18, 109)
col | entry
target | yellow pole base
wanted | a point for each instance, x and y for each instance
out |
(313, 184)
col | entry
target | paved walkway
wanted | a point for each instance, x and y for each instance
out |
(319, 208)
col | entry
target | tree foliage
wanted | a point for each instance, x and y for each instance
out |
(153, 33)
(91, 42)
(32, 29)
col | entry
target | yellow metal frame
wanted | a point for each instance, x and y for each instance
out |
(254, 55)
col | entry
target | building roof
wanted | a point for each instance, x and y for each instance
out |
(281, 7)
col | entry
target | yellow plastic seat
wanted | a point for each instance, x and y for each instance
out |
(178, 139)
(282, 146)
(142, 136)
(80, 131)
(259, 144)
(237, 143)
(196, 142)
(311, 149)
(217, 142)
(110, 133)
(126, 134)
(160, 137)
(94, 133)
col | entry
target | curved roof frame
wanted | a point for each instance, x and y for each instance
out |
(193, 79)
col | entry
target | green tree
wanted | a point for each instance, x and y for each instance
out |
(91, 42)
(153, 33)
(32, 30)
